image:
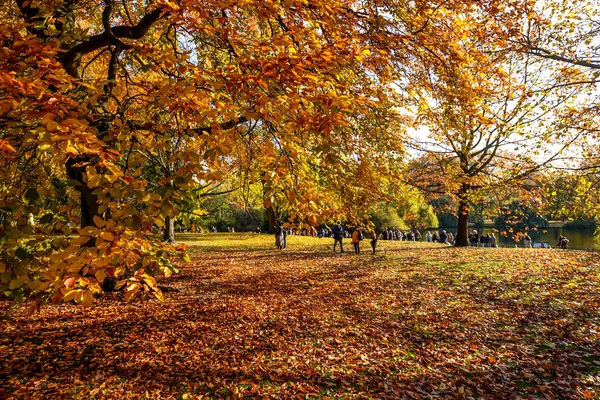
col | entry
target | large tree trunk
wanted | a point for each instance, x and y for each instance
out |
(88, 200)
(462, 234)
(169, 234)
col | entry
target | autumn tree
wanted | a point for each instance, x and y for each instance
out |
(567, 35)
(116, 111)
(94, 93)
(490, 114)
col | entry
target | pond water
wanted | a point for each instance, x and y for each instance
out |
(578, 238)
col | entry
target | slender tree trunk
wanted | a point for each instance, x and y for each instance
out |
(169, 234)
(88, 200)
(462, 234)
(272, 218)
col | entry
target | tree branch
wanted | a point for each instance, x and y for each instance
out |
(223, 125)
(70, 59)
(540, 52)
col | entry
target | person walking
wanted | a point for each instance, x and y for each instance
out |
(356, 240)
(373, 240)
(338, 235)
(279, 236)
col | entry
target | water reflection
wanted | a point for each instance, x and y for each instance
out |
(578, 238)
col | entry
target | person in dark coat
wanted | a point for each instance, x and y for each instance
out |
(373, 240)
(443, 237)
(338, 236)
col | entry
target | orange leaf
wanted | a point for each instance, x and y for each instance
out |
(69, 282)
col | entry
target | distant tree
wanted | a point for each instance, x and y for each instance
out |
(518, 216)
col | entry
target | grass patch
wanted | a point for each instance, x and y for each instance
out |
(251, 321)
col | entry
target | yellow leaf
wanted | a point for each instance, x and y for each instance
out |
(120, 284)
(115, 173)
(99, 221)
(71, 150)
(71, 295)
(88, 231)
(149, 279)
(111, 178)
(100, 275)
(88, 298)
(132, 290)
(108, 236)
(79, 124)
(159, 295)
(51, 126)
(80, 240)
(94, 181)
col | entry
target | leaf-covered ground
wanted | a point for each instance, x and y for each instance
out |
(417, 320)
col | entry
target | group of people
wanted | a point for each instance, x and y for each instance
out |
(487, 240)
(412, 235)
(338, 233)
(357, 235)
(563, 242)
(443, 237)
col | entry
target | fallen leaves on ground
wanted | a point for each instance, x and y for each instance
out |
(416, 320)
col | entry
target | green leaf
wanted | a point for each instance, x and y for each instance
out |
(3, 240)
(73, 182)
(6, 276)
(31, 195)
(46, 218)
(17, 283)
(23, 254)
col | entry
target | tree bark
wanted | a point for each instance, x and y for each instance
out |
(169, 234)
(88, 200)
(272, 218)
(462, 233)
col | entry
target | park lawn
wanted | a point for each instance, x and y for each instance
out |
(416, 320)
